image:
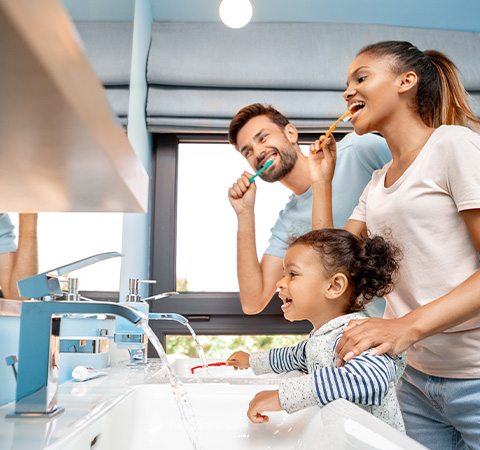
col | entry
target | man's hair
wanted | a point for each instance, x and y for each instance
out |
(251, 111)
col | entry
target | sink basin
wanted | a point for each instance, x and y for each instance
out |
(147, 417)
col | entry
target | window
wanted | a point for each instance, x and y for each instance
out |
(190, 211)
(67, 237)
(207, 223)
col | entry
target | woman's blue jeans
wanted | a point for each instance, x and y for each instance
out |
(440, 413)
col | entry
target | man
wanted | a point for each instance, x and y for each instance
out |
(17, 263)
(260, 133)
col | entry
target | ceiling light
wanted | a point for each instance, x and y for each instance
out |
(235, 13)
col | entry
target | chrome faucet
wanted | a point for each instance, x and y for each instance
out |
(38, 355)
(128, 337)
(160, 296)
(46, 285)
(168, 316)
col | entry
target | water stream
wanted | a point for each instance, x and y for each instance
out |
(184, 321)
(201, 352)
(184, 406)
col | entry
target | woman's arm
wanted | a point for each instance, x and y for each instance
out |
(322, 168)
(393, 336)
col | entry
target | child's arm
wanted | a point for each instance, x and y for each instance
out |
(239, 360)
(364, 380)
(263, 401)
(280, 360)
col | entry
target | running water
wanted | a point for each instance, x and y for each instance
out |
(184, 321)
(201, 352)
(184, 406)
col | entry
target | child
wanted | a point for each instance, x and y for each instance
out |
(428, 198)
(329, 275)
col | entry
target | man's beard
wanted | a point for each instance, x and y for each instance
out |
(287, 158)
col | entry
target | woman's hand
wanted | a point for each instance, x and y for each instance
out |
(239, 360)
(263, 401)
(390, 336)
(322, 164)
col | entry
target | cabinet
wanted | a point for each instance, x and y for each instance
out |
(61, 148)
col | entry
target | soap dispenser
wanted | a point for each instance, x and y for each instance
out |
(127, 335)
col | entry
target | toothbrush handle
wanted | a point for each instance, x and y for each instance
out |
(268, 164)
(330, 130)
(254, 176)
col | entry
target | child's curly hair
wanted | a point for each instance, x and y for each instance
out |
(369, 263)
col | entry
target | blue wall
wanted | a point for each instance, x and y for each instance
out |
(101, 10)
(437, 14)
(458, 15)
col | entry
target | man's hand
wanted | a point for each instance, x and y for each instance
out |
(322, 164)
(239, 360)
(389, 336)
(263, 401)
(242, 194)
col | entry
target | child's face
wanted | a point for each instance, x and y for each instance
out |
(372, 93)
(303, 286)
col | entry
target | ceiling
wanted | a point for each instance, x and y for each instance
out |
(435, 14)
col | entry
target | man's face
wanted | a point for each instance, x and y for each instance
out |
(260, 140)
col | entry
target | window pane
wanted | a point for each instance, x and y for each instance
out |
(207, 223)
(67, 237)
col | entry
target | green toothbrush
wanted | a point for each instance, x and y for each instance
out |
(268, 164)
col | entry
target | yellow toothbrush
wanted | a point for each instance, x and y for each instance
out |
(345, 117)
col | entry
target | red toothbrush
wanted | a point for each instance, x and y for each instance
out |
(216, 364)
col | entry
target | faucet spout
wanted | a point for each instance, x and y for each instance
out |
(159, 296)
(37, 375)
(168, 316)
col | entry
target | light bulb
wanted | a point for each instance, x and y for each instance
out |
(235, 13)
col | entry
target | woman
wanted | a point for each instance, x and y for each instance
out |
(428, 201)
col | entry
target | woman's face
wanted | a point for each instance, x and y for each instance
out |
(372, 93)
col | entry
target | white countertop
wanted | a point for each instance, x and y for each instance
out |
(81, 400)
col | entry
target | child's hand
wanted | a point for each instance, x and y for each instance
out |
(263, 401)
(322, 164)
(239, 360)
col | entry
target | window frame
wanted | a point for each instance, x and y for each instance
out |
(212, 313)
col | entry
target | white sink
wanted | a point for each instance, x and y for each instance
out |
(147, 417)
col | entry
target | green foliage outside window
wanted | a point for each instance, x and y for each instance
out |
(223, 346)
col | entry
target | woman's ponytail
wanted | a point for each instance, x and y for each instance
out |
(452, 105)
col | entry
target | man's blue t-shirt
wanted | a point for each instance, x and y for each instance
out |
(7, 236)
(357, 158)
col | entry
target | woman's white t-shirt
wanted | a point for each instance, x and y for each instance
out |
(420, 213)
